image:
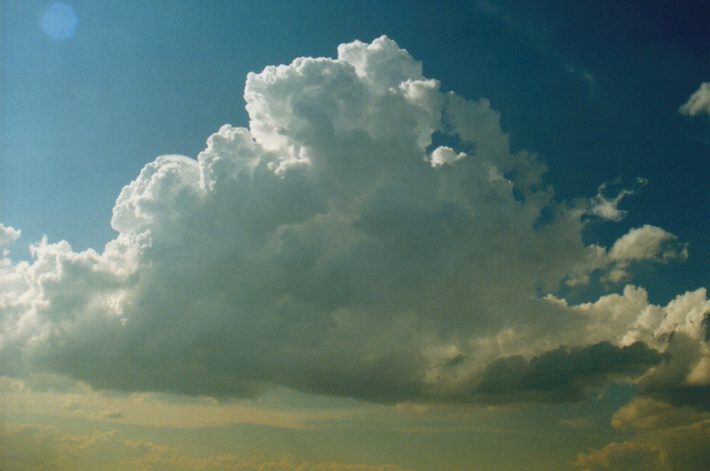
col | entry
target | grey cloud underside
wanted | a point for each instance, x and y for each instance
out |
(564, 374)
(670, 383)
(331, 247)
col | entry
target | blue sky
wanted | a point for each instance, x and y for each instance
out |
(92, 92)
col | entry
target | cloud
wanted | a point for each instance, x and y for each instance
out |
(607, 208)
(624, 455)
(640, 244)
(661, 436)
(445, 155)
(679, 330)
(643, 243)
(332, 247)
(8, 235)
(699, 101)
(564, 374)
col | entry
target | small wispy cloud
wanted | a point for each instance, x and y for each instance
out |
(698, 103)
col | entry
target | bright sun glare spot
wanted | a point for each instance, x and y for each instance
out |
(59, 21)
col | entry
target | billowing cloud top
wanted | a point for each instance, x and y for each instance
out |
(335, 247)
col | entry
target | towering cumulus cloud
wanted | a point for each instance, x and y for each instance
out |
(335, 247)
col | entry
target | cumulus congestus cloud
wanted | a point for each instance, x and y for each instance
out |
(335, 247)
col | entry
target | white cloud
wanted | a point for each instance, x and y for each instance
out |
(607, 208)
(699, 101)
(643, 243)
(629, 317)
(445, 155)
(320, 250)
(646, 243)
(8, 235)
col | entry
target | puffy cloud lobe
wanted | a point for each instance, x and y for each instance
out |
(8, 235)
(643, 243)
(328, 248)
(10, 278)
(699, 101)
(679, 330)
(445, 155)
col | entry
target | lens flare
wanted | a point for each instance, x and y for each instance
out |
(59, 22)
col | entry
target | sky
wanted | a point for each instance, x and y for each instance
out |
(462, 235)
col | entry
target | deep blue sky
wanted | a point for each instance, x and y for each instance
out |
(593, 87)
